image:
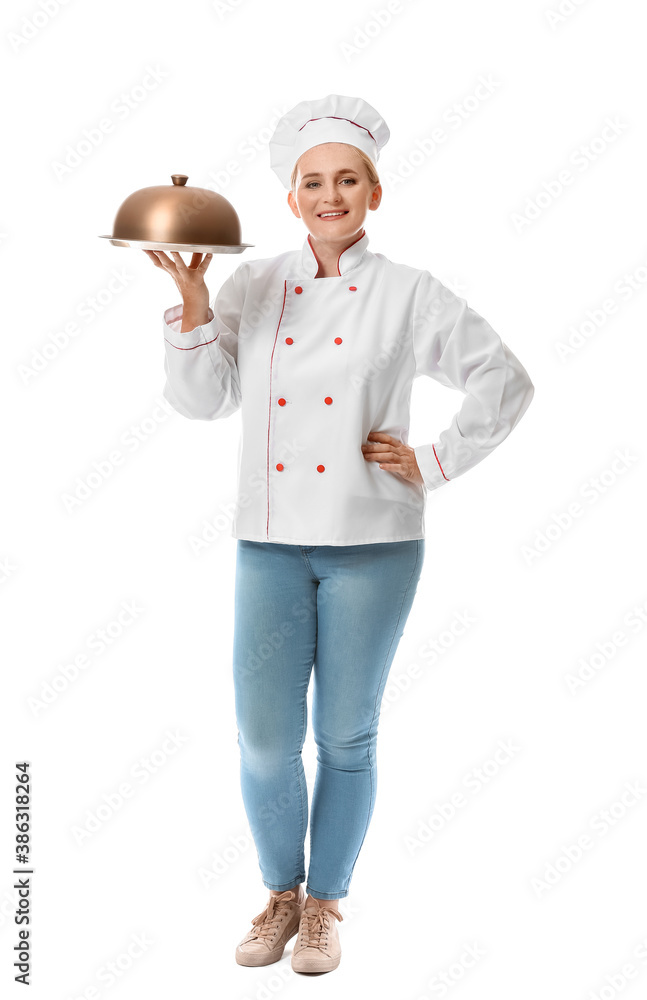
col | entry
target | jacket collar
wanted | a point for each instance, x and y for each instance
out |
(348, 258)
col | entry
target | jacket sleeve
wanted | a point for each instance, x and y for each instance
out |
(202, 379)
(457, 347)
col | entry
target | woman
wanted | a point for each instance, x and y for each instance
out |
(319, 348)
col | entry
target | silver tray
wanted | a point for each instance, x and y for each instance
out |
(180, 247)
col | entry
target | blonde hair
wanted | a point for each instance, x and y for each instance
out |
(368, 163)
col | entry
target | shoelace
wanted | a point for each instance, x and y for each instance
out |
(315, 926)
(268, 920)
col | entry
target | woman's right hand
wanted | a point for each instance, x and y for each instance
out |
(189, 279)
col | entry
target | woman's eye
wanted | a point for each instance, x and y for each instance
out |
(351, 179)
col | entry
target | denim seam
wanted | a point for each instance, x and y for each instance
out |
(304, 556)
(304, 806)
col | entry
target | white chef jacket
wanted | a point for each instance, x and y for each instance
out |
(315, 365)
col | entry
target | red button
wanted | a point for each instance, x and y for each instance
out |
(288, 340)
(298, 289)
(338, 340)
(280, 467)
(352, 288)
(320, 468)
(328, 400)
(281, 401)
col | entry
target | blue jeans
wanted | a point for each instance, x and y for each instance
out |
(340, 609)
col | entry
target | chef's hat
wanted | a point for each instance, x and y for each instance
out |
(330, 119)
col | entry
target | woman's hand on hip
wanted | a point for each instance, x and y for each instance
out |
(393, 455)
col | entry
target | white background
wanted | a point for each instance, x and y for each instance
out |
(175, 864)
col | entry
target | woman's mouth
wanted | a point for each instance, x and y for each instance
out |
(332, 215)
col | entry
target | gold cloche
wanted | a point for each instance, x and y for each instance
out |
(177, 217)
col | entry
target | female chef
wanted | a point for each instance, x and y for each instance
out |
(318, 347)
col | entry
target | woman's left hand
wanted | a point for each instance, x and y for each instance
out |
(393, 455)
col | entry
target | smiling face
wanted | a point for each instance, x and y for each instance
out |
(333, 192)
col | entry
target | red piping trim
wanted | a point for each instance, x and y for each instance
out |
(439, 465)
(269, 415)
(343, 251)
(196, 345)
(338, 118)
